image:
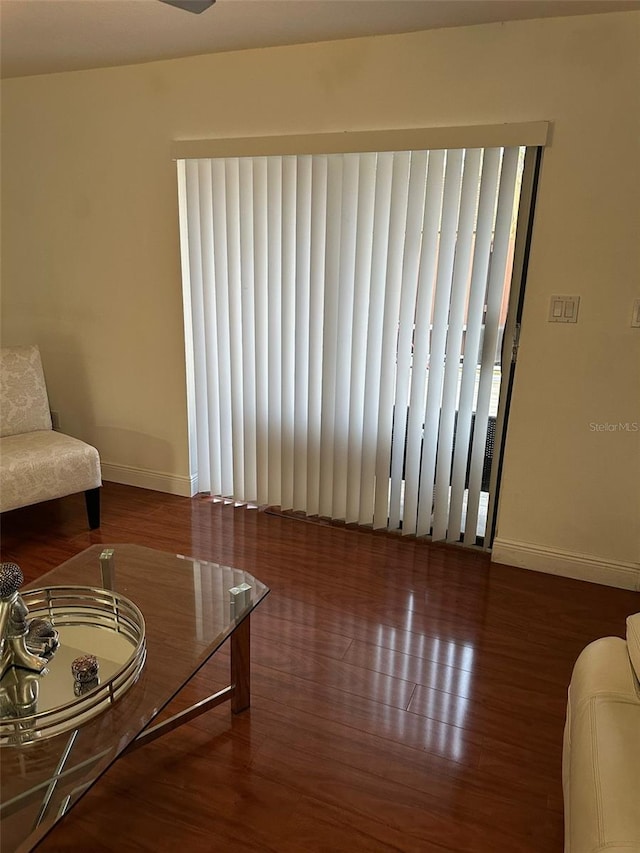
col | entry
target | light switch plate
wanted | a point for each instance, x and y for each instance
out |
(635, 316)
(564, 309)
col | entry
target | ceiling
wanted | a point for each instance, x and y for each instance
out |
(46, 36)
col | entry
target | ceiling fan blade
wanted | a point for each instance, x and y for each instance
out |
(195, 6)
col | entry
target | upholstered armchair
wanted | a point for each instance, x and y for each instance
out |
(37, 463)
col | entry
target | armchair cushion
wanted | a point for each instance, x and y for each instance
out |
(43, 465)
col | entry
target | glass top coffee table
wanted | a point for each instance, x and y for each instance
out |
(188, 613)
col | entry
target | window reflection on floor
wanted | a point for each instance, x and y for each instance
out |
(443, 671)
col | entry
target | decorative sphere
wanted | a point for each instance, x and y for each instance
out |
(85, 668)
(11, 579)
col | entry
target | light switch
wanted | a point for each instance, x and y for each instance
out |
(635, 316)
(564, 309)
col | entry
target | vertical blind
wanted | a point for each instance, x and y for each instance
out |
(342, 315)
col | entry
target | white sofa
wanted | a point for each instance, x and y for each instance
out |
(36, 463)
(601, 756)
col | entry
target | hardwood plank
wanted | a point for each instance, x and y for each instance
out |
(334, 674)
(305, 637)
(444, 783)
(420, 819)
(503, 686)
(252, 812)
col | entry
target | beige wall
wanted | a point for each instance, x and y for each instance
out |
(91, 259)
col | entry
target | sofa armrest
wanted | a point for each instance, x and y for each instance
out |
(601, 755)
(603, 668)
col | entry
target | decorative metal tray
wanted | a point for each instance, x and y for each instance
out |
(89, 621)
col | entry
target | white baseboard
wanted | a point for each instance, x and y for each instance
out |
(569, 564)
(158, 481)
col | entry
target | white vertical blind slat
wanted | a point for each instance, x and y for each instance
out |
(316, 313)
(223, 334)
(397, 227)
(346, 276)
(247, 255)
(447, 329)
(261, 326)
(232, 176)
(274, 354)
(422, 336)
(302, 323)
(380, 245)
(194, 314)
(409, 287)
(362, 279)
(495, 289)
(330, 332)
(458, 299)
(289, 177)
(475, 316)
(450, 210)
(187, 312)
(382, 206)
(209, 383)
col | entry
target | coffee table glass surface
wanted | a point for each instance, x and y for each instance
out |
(188, 614)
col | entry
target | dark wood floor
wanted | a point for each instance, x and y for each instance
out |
(404, 696)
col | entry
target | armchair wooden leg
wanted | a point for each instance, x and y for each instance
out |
(92, 500)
